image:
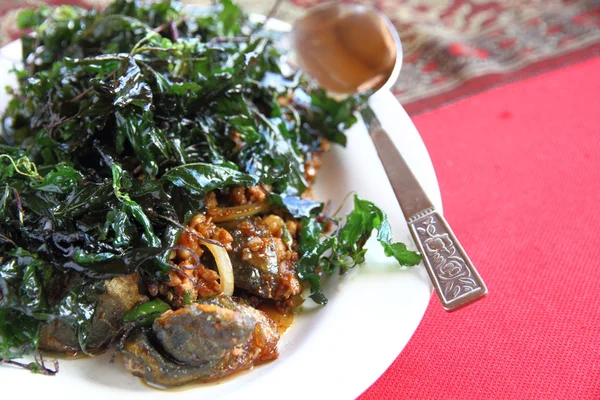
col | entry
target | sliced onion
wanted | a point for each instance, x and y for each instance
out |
(220, 255)
(222, 214)
(223, 265)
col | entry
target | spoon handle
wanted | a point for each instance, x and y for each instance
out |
(452, 273)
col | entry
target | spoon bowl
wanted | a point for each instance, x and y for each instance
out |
(348, 48)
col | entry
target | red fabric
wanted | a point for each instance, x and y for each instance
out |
(519, 171)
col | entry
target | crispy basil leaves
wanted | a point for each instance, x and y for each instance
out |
(124, 119)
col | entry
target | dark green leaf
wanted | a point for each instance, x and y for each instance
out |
(84, 258)
(148, 142)
(31, 291)
(184, 88)
(23, 278)
(19, 334)
(397, 250)
(225, 22)
(309, 264)
(332, 117)
(126, 264)
(200, 178)
(26, 19)
(346, 248)
(118, 222)
(103, 64)
(145, 314)
(310, 235)
(297, 207)
(84, 198)
(4, 198)
(62, 180)
(132, 208)
(78, 307)
(32, 17)
(131, 89)
(361, 222)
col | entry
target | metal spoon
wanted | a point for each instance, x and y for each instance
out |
(350, 48)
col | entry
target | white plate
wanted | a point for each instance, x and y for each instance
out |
(334, 352)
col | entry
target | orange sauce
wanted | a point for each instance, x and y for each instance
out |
(282, 320)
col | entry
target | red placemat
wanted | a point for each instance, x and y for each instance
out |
(519, 169)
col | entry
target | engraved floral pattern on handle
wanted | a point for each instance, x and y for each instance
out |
(448, 264)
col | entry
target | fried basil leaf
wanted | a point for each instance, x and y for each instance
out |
(200, 178)
(346, 247)
(296, 206)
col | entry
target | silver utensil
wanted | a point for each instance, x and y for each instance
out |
(350, 48)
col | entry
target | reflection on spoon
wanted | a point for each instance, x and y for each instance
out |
(346, 49)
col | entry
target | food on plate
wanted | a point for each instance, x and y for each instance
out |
(155, 191)
(202, 341)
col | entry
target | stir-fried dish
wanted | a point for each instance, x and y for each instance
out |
(155, 191)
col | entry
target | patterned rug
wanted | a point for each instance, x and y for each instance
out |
(452, 48)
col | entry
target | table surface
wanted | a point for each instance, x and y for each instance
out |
(519, 172)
